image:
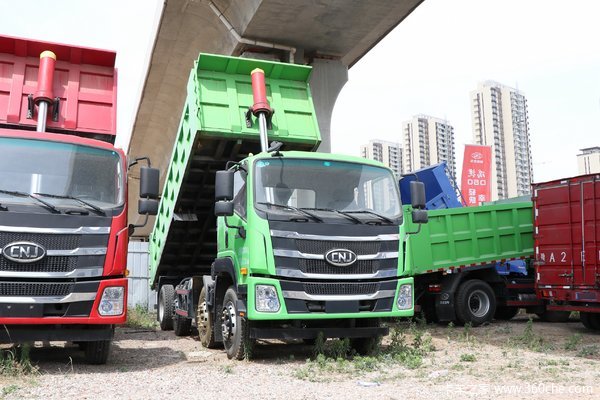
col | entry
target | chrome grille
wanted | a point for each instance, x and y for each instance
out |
(323, 246)
(340, 288)
(48, 241)
(35, 289)
(310, 266)
(48, 264)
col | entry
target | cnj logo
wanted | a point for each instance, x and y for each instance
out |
(23, 252)
(340, 257)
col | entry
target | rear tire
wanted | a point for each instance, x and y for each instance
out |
(205, 323)
(475, 303)
(182, 326)
(554, 316)
(166, 297)
(590, 320)
(504, 313)
(236, 339)
(97, 352)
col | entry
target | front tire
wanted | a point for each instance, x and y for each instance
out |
(205, 322)
(182, 326)
(97, 352)
(166, 297)
(234, 328)
(475, 303)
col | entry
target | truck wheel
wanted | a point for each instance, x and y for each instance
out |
(505, 313)
(96, 352)
(590, 320)
(475, 302)
(554, 316)
(234, 328)
(166, 296)
(182, 326)
(205, 322)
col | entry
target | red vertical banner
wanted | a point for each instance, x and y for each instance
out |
(476, 185)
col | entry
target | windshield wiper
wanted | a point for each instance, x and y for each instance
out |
(344, 213)
(386, 219)
(97, 209)
(24, 194)
(298, 210)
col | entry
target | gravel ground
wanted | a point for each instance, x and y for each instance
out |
(505, 360)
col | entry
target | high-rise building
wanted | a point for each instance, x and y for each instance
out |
(427, 141)
(589, 161)
(388, 153)
(500, 120)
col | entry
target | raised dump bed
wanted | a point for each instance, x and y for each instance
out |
(213, 131)
(462, 237)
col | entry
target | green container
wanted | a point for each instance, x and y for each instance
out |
(459, 237)
(211, 132)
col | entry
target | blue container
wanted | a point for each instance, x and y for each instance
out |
(439, 192)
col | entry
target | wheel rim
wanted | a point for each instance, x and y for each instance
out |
(228, 326)
(203, 318)
(479, 303)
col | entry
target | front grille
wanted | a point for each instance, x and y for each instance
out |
(48, 241)
(310, 266)
(35, 289)
(323, 246)
(340, 288)
(48, 264)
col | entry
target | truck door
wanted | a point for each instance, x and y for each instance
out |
(556, 212)
(590, 226)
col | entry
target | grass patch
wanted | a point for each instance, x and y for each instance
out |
(409, 344)
(468, 358)
(139, 318)
(529, 339)
(573, 342)
(589, 351)
(16, 362)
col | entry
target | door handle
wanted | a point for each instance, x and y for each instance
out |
(565, 275)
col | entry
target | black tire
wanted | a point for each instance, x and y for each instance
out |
(182, 326)
(590, 320)
(205, 322)
(235, 328)
(504, 313)
(97, 352)
(554, 316)
(166, 296)
(475, 303)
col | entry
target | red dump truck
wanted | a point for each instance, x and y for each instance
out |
(63, 192)
(567, 245)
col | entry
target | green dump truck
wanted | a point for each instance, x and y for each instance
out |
(298, 243)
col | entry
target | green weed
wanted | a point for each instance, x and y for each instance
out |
(468, 358)
(573, 342)
(16, 361)
(139, 318)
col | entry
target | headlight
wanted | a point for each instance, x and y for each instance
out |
(405, 297)
(112, 301)
(266, 298)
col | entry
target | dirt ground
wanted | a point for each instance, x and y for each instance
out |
(504, 360)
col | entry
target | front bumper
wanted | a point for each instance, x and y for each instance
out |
(296, 304)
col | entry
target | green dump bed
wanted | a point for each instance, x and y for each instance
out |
(213, 131)
(462, 237)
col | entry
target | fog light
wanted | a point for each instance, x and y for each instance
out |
(404, 301)
(266, 298)
(112, 301)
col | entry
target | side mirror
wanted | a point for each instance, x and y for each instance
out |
(149, 183)
(147, 206)
(223, 186)
(420, 216)
(417, 195)
(224, 208)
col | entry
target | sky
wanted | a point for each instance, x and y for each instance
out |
(430, 63)
(427, 65)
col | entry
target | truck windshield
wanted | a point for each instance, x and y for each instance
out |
(358, 190)
(64, 170)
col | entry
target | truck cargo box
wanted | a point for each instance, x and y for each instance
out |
(439, 191)
(567, 238)
(85, 83)
(213, 131)
(462, 237)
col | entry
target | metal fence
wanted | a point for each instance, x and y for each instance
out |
(139, 289)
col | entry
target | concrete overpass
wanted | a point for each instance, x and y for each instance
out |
(330, 35)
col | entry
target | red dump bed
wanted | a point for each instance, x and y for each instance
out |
(85, 80)
(567, 239)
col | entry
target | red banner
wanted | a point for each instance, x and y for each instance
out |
(476, 175)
